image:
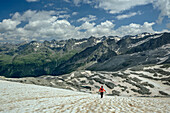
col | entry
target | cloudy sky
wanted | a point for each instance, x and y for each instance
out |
(27, 20)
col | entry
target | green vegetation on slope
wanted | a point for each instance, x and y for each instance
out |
(33, 64)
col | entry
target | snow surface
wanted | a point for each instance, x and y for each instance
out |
(78, 43)
(21, 98)
(143, 41)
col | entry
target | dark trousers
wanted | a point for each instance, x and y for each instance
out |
(101, 94)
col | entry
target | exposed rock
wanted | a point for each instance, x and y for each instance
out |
(114, 92)
(110, 85)
(163, 93)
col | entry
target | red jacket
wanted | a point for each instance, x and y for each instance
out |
(102, 90)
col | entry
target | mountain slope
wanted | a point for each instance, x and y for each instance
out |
(150, 80)
(110, 53)
(36, 59)
(157, 56)
(99, 52)
(151, 43)
(113, 56)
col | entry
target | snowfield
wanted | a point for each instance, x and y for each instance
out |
(21, 98)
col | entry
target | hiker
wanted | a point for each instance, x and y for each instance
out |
(102, 90)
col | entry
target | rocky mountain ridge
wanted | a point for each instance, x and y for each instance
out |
(113, 56)
(110, 53)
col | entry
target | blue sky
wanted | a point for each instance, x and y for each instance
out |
(27, 20)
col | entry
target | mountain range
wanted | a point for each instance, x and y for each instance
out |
(112, 53)
(128, 66)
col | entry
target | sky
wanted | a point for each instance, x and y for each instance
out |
(39, 20)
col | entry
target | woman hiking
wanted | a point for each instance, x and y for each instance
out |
(102, 90)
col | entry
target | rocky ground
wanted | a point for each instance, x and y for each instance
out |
(147, 81)
(21, 98)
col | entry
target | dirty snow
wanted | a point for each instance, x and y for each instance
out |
(21, 98)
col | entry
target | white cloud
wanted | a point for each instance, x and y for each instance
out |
(1, 38)
(114, 6)
(87, 19)
(49, 5)
(68, 1)
(46, 25)
(164, 7)
(78, 2)
(118, 6)
(25, 17)
(8, 25)
(133, 29)
(119, 17)
(168, 25)
(104, 28)
(24, 39)
(87, 26)
(74, 13)
(64, 16)
(32, 0)
(40, 25)
(30, 15)
(107, 28)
